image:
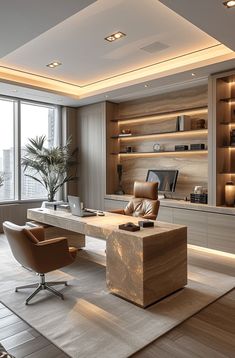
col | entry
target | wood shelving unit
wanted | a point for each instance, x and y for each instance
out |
(225, 120)
(228, 100)
(160, 114)
(164, 152)
(191, 131)
(154, 121)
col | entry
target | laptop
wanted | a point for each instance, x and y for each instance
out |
(75, 207)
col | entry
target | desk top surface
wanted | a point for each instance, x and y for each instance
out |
(98, 226)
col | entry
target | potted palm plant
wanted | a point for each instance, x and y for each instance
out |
(51, 167)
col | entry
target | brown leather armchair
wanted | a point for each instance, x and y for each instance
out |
(31, 250)
(145, 202)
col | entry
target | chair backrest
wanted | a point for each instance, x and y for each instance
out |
(147, 190)
(145, 201)
(21, 244)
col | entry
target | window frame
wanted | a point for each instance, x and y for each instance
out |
(17, 143)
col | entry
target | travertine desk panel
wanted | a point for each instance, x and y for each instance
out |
(142, 266)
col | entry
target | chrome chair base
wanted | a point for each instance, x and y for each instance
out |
(43, 285)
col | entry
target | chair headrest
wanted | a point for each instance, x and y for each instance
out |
(146, 190)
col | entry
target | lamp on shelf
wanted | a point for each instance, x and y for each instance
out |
(229, 193)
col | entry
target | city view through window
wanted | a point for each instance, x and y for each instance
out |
(35, 121)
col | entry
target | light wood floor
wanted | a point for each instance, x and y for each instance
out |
(208, 334)
(22, 341)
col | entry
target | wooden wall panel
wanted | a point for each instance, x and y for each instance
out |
(92, 154)
(186, 98)
(111, 146)
(192, 170)
(69, 129)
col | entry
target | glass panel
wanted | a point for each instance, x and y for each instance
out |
(36, 120)
(6, 150)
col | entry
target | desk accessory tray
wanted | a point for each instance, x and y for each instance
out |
(129, 228)
(146, 223)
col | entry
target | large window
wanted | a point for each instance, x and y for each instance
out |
(7, 191)
(30, 120)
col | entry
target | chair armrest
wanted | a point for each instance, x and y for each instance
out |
(118, 211)
(52, 254)
(38, 232)
(150, 217)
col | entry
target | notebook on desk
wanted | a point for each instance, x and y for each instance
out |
(75, 207)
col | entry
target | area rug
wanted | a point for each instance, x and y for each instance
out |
(90, 322)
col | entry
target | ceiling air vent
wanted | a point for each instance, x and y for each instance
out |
(154, 47)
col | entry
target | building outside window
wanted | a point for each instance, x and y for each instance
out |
(30, 120)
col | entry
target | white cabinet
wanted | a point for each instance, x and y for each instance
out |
(110, 204)
(196, 223)
(221, 232)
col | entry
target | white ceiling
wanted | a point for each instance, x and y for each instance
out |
(35, 33)
(78, 42)
(24, 20)
(209, 15)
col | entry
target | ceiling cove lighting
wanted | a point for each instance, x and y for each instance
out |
(54, 64)
(229, 4)
(116, 36)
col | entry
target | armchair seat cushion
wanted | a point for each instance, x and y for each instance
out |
(141, 207)
(145, 202)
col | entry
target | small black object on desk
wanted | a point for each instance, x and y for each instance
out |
(146, 223)
(129, 227)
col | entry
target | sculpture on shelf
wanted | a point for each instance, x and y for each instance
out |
(120, 191)
(49, 166)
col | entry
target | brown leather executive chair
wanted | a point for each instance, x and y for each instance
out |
(145, 202)
(31, 250)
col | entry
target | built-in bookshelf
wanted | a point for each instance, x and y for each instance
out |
(224, 85)
(137, 126)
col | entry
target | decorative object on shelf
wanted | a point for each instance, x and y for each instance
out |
(125, 133)
(129, 149)
(232, 137)
(157, 147)
(199, 123)
(183, 123)
(180, 148)
(197, 146)
(120, 191)
(49, 166)
(198, 198)
(199, 195)
(229, 193)
(198, 189)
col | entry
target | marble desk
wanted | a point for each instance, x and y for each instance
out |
(142, 266)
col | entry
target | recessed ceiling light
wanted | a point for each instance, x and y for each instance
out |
(146, 86)
(229, 4)
(54, 64)
(193, 74)
(14, 90)
(115, 36)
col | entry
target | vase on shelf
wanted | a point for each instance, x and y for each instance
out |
(120, 190)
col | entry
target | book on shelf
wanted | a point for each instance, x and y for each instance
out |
(125, 134)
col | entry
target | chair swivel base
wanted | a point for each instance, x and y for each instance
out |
(43, 285)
